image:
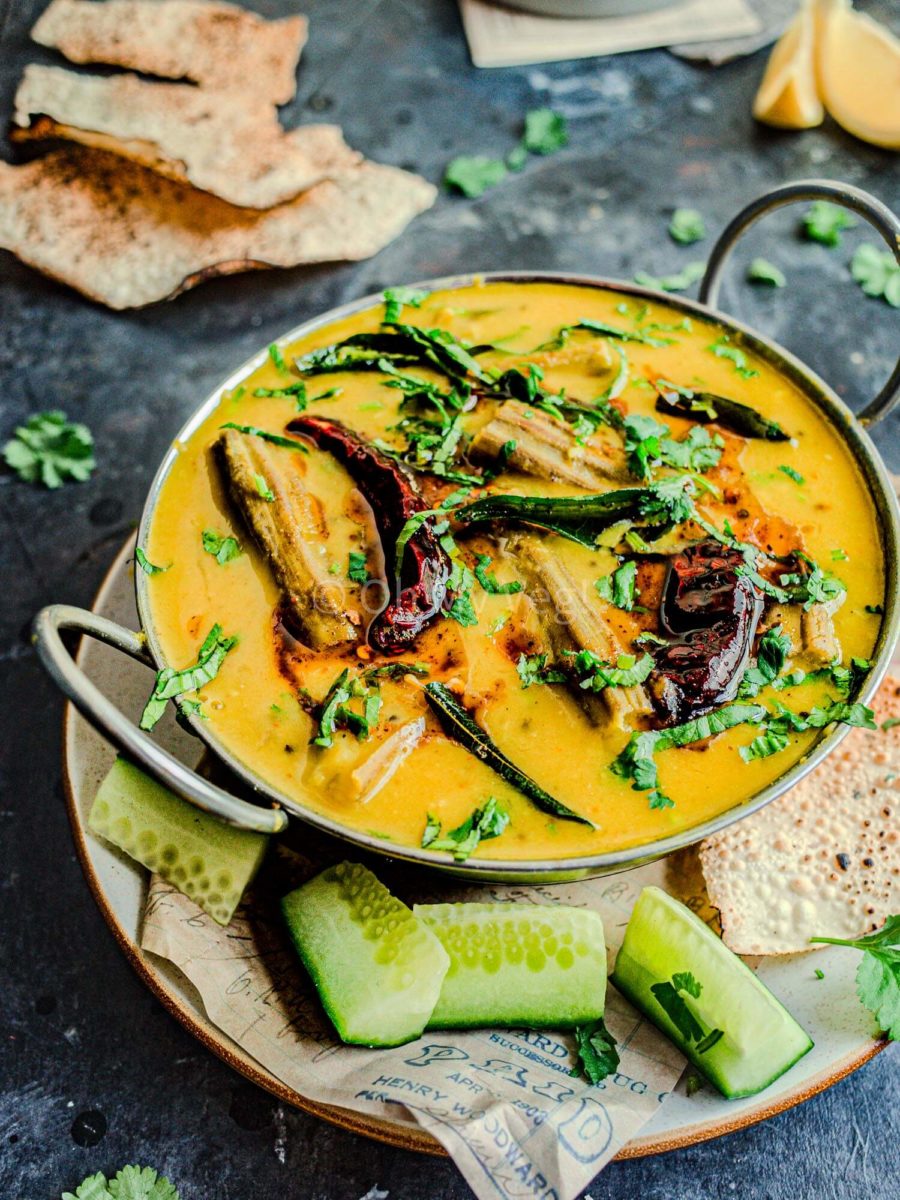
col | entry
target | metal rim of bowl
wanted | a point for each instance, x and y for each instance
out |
(828, 404)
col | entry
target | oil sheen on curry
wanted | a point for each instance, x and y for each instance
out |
(519, 571)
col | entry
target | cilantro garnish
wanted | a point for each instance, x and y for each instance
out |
(878, 974)
(824, 222)
(131, 1183)
(146, 565)
(277, 359)
(619, 587)
(762, 271)
(395, 298)
(839, 555)
(686, 226)
(777, 726)
(668, 997)
(722, 349)
(335, 713)
(877, 272)
(791, 473)
(50, 449)
(222, 547)
(649, 444)
(771, 655)
(357, 570)
(637, 762)
(532, 668)
(486, 822)
(489, 581)
(596, 1050)
(172, 683)
(473, 174)
(628, 671)
(276, 439)
(678, 282)
(297, 390)
(545, 131)
(263, 489)
(814, 587)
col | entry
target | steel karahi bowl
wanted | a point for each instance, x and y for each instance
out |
(271, 812)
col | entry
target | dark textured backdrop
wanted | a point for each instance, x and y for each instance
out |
(80, 1033)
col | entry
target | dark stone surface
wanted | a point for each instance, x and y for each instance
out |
(94, 1073)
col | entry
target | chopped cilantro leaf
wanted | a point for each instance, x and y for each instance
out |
(278, 358)
(356, 567)
(668, 996)
(276, 439)
(596, 1050)
(722, 349)
(819, 974)
(771, 655)
(877, 272)
(791, 473)
(172, 683)
(678, 282)
(545, 131)
(224, 549)
(687, 226)
(473, 174)
(762, 271)
(839, 555)
(824, 222)
(619, 587)
(878, 974)
(49, 449)
(649, 444)
(777, 726)
(596, 674)
(486, 822)
(875, 609)
(335, 711)
(532, 668)
(146, 565)
(395, 298)
(263, 489)
(490, 582)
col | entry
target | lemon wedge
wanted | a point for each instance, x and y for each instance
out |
(858, 68)
(787, 96)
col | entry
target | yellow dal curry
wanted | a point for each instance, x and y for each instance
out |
(265, 702)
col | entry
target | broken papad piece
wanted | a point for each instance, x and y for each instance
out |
(127, 237)
(223, 143)
(214, 44)
(823, 859)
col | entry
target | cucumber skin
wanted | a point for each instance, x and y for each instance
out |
(128, 795)
(312, 901)
(466, 1000)
(633, 980)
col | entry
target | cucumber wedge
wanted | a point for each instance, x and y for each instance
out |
(518, 964)
(377, 968)
(202, 856)
(679, 974)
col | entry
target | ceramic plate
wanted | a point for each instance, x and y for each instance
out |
(843, 1032)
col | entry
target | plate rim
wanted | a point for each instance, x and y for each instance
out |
(380, 1130)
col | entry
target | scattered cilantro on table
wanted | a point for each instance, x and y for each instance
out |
(762, 271)
(825, 222)
(50, 449)
(131, 1183)
(878, 974)
(877, 272)
(687, 226)
(473, 174)
(678, 282)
